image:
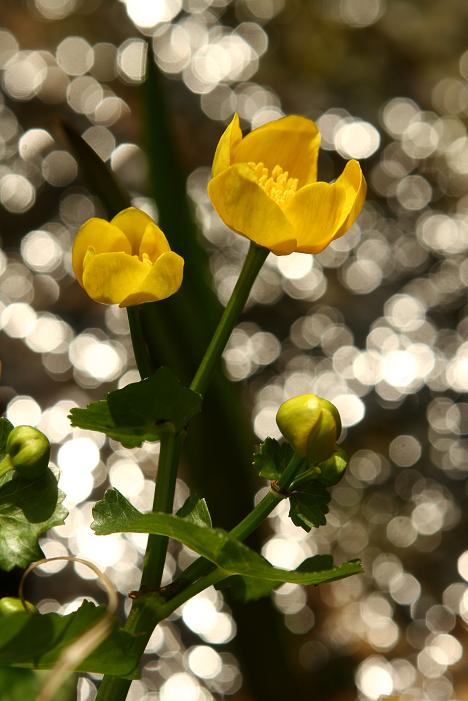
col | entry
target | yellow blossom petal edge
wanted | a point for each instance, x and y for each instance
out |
(127, 261)
(245, 207)
(264, 187)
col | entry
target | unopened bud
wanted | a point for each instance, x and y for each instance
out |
(311, 425)
(28, 451)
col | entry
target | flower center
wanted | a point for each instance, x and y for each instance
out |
(277, 184)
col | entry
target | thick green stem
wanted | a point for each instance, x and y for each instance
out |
(155, 556)
(140, 349)
(256, 256)
(144, 616)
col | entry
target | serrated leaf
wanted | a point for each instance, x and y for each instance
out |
(156, 399)
(271, 458)
(36, 640)
(27, 509)
(115, 514)
(248, 588)
(97, 417)
(5, 429)
(137, 412)
(309, 506)
(195, 510)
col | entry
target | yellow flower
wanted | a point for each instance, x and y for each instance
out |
(126, 261)
(264, 186)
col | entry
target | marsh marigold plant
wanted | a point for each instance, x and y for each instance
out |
(126, 261)
(264, 186)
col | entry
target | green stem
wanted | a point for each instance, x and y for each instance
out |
(155, 556)
(202, 567)
(255, 258)
(140, 349)
(144, 616)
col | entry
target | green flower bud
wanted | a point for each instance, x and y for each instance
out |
(10, 605)
(311, 425)
(28, 451)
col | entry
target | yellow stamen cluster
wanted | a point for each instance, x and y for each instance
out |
(278, 185)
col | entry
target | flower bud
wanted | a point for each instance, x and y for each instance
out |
(10, 605)
(311, 424)
(28, 451)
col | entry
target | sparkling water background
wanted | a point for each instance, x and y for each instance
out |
(377, 323)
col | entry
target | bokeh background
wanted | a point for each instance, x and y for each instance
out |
(376, 323)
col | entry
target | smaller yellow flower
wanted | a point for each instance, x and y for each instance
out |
(126, 261)
(264, 186)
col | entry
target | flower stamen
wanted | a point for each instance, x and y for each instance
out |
(277, 184)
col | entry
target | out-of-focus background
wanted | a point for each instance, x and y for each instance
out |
(376, 323)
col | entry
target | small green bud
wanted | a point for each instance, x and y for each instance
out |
(312, 426)
(28, 451)
(10, 605)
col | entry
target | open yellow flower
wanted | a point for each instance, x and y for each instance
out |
(126, 261)
(264, 186)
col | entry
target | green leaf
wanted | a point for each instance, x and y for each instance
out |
(139, 411)
(36, 640)
(271, 458)
(97, 417)
(250, 589)
(309, 506)
(115, 514)
(27, 509)
(5, 429)
(196, 511)
(332, 470)
(97, 175)
(156, 399)
(18, 685)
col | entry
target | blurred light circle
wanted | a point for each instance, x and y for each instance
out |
(23, 410)
(33, 143)
(17, 194)
(204, 662)
(55, 9)
(374, 677)
(59, 168)
(183, 687)
(131, 56)
(352, 409)
(362, 13)
(8, 46)
(79, 454)
(357, 139)
(24, 74)
(48, 334)
(41, 251)
(18, 320)
(148, 14)
(405, 450)
(75, 55)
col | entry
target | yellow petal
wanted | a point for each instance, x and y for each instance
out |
(291, 142)
(226, 145)
(245, 207)
(102, 237)
(163, 280)
(315, 212)
(133, 222)
(354, 183)
(153, 242)
(111, 277)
